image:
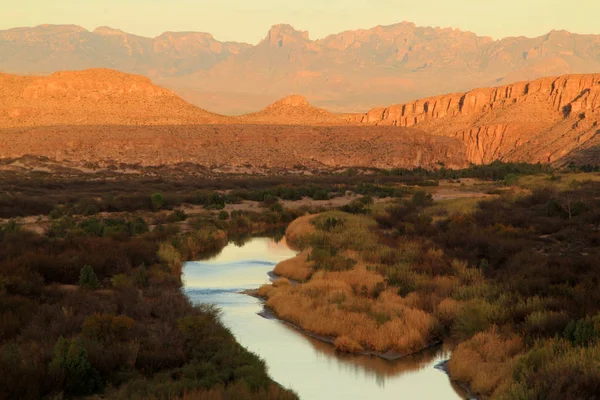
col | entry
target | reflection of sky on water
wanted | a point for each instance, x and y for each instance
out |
(310, 367)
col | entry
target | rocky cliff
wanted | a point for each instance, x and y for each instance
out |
(539, 121)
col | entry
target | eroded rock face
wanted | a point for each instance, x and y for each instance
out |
(542, 120)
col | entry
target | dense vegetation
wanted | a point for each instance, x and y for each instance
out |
(90, 298)
(514, 278)
(93, 305)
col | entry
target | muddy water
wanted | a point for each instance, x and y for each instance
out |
(311, 368)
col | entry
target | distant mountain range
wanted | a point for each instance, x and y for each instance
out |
(347, 72)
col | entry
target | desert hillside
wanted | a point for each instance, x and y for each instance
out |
(107, 117)
(92, 97)
(104, 116)
(349, 71)
(295, 110)
(544, 120)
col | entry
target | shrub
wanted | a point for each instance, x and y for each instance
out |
(121, 282)
(88, 278)
(71, 367)
(107, 327)
(546, 323)
(158, 201)
(471, 318)
(140, 277)
(170, 256)
(485, 361)
(583, 332)
(422, 199)
(177, 216)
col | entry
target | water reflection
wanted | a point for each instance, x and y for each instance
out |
(310, 367)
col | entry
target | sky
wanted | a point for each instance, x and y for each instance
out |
(249, 20)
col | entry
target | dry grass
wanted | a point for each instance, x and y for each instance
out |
(351, 306)
(297, 268)
(563, 181)
(330, 307)
(347, 345)
(486, 361)
(298, 230)
(281, 282)
(447, 311)
(465, 205)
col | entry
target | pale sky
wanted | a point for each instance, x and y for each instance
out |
(249, 20)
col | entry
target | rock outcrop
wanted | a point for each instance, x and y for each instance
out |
(539, 121)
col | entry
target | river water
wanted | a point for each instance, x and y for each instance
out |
(313, 369)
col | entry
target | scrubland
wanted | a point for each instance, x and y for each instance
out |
(90, 300)
(513, 277)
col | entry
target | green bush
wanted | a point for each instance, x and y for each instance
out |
(583, 332)
(88, 278)
(71, 367)
(158, 201)
(471, 318)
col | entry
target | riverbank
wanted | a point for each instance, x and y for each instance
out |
(311, 367)
(348, 304)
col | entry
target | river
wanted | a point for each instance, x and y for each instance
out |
(313, 369)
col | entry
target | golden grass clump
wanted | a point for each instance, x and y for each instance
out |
(297, 232)
(361, 280)
(297, 268)
(447, 310)
(265, 290)
(486, 361)
(281, 282)
(330, 308)
(347, 345)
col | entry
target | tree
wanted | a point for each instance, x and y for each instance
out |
(72, 368)
(88, 278)
(158, 201)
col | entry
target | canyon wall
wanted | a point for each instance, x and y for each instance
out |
(538, 121)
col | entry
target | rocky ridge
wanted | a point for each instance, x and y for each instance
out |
(540, 121)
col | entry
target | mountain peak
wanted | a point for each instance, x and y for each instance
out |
(58, 28)
(108, 31)
(283, 35)
(294, 100)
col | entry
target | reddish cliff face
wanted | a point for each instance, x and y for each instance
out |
(543, 120)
